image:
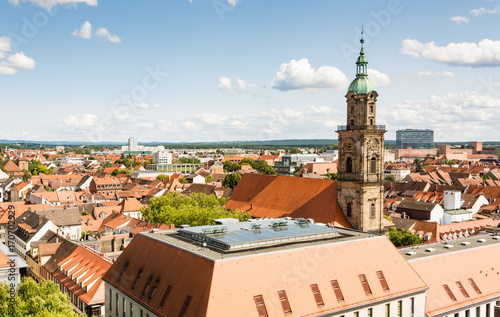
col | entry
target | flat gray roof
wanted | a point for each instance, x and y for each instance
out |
(440, 248)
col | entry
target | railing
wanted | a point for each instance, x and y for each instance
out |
(360, 127)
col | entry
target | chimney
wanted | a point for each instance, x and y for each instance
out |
(40, 220)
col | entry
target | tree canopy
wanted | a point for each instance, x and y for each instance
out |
(418, 165)
(403, 238)
(35, 168)
(188, 160)
(195, 210)
(260, 166)
(162, 177)
(33, 299)
(390, 178)
(231, 180)
(117, 171)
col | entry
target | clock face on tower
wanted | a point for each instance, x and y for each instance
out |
(373, 145)
(348, 145)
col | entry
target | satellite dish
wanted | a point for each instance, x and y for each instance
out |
(204, 244)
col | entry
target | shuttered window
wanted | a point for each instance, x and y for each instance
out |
(382, 280)
(462, 289)
(185, 306)
(261, 306)
(153, 289)
(137, 278)
(337, 290)
(317, 295)
(165, 295)
(284, 302)
(364, 283)
(449, 292)
(122, 272)
(146, 287)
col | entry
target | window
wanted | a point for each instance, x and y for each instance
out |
(449, 292)
(284, 302)
(137, 279)
(123, 272)
(131, 310)
(462, 289)
(352, 110)
(372, 215)
(261, 306)
(467, 313)
(349, 210)
(371, 121)
(412, 305)
(146, 287)
(365, 284)
(356, 314)
(456, 315)
(370, 312)
(110, 300)
(337, 291)
(474, 286)
(117, 304)
(317, 295)
(371, 109)
(387, 310)
(352, 121)
(185, 306)
(382, 280)
(478, 311)
(142, 313)
(373, 165)
(124, 306)
(400, 308)
(165, 295)
(153, 289)
(487, 309)
(349, 165)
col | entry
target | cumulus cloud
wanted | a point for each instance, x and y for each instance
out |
(49, 4)
(10, 62)
(482, 54)
(460, 19)
(86, 121)
(85, 31)
(226, 85)
(143, 105)
(232, 2)
(466, 116)
(378, 78)
(322, 110)
(301, 75)
(104, 35)
(425, 74)
(481, 11)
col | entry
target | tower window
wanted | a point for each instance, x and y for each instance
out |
(349, 165)
(371, 121)
(349, 210)
(372, 211)
(352, 121)
(373, 165)
(352, 110)
(371, 109)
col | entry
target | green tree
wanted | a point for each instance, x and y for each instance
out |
(230, 166)
(231, 180)
(263, 168)
(188, 160)
(121, 171)
(33, 299)
(35, 168)
(403, 238)
(195, 210)
(332, 176)
(390, 178)
(162, 177)
(418, 165)
(26, 175)
(3, 169)
(208, 179)
(106, 164)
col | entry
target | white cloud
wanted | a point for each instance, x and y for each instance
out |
(226, 85)
(300, 75)
(11, 63)
(379, 79)
(481, 11)
(84, 32)
(49, 4)
(481, 54)
(143, 105)
(425, 74)
(190, 125)
(5, 46)
(212, 118)
(155, 105)
(105, 35)
(323, 110)
(460, 19)
(457, 117)
(232, 2)
(86, 121)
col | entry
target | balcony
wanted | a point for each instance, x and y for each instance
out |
(360, 127)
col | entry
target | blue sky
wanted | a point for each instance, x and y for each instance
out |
(225, 70)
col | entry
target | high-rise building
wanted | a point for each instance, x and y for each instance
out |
(415, 139)
(361, 154)
(132, 144)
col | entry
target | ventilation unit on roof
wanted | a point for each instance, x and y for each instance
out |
(255, 226)
(448, 246)
(411, 253)
(279, 224)
(496, 237)
(430, 250)
(465, 243)
(481, 240)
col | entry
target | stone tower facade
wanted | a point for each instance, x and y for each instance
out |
(361, 155)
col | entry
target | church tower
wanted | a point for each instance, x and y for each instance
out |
(361, 154)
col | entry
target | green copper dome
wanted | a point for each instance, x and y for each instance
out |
(362, 84)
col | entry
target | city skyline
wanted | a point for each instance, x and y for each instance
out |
(193, 71)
